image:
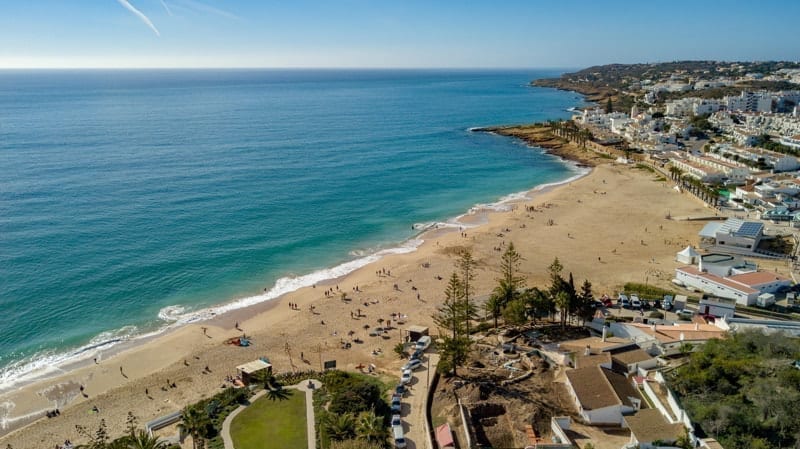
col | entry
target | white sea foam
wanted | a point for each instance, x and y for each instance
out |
(48, 363)
(171, 313)
(289, 284)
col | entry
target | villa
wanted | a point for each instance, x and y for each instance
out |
(601, 395)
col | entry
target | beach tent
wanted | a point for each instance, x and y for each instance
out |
(444, 437)
(688, 256)
(250, 369)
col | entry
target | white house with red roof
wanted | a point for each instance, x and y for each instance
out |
(743, 288)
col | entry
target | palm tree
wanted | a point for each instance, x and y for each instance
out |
(141, 439)
(276, 392)
(339, 426)
(194, 423)
(370, 427)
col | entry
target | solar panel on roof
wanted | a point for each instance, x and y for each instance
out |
(750, 228)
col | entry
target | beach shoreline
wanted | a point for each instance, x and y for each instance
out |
(230, 313)
(412, 285)
(104, 349)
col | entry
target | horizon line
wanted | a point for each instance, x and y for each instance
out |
(285, 68)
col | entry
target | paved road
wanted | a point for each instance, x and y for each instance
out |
(413, 412)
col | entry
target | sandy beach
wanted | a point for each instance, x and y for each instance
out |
(609, 227)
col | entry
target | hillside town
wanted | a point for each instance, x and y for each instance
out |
(744, 146)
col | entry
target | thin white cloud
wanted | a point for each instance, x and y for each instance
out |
(164, 4)
(202, 7)
(140, 15)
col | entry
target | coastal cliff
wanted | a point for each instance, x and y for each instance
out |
(538, 135)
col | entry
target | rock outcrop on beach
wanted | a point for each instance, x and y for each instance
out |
(541, 136)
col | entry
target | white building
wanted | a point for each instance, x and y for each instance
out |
(733, 235)
(703, 173)
(750, 102)
(735, 172)
(742, 288)
(599, 119)
(793, 141)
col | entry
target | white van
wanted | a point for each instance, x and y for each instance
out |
(399, 438)
(423, 342)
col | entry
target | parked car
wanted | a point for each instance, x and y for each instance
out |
(396, 420)
(396, 404)
(406, 377)
(668, 302)
(412, 365)
(607, 302)
(400, 390)
(684, 314)
(399, 438)
(624, 301)
(636, 303)
(423, 342)
(417, 354)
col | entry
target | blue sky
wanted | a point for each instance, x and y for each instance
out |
(400, 33)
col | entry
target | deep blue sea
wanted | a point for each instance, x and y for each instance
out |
(132, 199)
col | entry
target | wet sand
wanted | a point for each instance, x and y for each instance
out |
(609, 227)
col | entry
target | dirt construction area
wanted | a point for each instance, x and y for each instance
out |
(508, 391)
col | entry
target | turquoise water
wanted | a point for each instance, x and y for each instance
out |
(130, 199)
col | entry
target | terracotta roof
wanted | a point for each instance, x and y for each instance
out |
(649, 425)
(718, 280)
(598, 388)
(634, 356)
(593, 343)
(756, 278)
(690, 269)
(444, 436)
(623, 387)
(592, 388)
(583, 361)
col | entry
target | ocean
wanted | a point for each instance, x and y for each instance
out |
(135, 200)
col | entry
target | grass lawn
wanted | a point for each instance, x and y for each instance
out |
(269, 424)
